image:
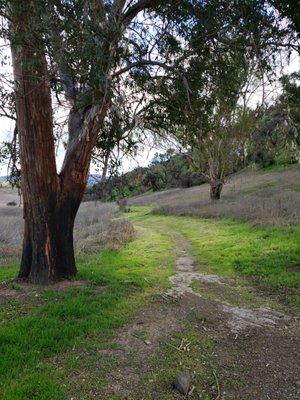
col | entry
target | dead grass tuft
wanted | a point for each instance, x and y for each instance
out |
(98, 226)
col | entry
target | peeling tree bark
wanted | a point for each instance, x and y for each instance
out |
(51, 201)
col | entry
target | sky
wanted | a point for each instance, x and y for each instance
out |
(146, 153)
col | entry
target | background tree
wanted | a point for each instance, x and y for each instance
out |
(200, 105)
(276, 136)
(222, 151)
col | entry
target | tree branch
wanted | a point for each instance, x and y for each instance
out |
(140, 64)
(6, 16)
(3, 113)
(118, 7)
(141, 5)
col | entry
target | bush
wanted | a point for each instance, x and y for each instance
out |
(264, 158)
(285, 157)
(165, 171)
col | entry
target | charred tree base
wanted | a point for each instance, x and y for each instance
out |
(48, 250)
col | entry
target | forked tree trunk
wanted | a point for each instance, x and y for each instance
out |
(51, 201)
(215, 189)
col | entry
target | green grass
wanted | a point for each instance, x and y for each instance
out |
(269, 257)
(8, 272)
(279, 167)
(78, 317)
(295, 188)
(47, 343)
(190, 350)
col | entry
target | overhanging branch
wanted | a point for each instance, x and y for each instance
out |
(142, 63)
(141, 5)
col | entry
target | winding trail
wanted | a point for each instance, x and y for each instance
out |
(185, 275)
(239, 318)
(254, 345)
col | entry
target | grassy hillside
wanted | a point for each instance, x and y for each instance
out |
(263, 197)
(252, 232)
(268, 257)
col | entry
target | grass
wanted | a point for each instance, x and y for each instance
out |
(79, 317)
(279, 167)
(49, 345)
(256, 188)
(295, 188)
(269, 256)
(97, 226)
(188, 350)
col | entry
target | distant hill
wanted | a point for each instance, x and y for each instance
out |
(3, 181)
(165, 171)
(92, 180)
(263, 196)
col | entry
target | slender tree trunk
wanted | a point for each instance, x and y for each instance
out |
(215, 189)
(105, 167)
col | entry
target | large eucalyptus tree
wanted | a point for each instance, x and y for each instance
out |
(80, 51)
(75, 47)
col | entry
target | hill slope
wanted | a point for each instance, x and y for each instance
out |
(270, 197)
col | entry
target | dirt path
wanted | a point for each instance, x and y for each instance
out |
(255, 346)
(239, 318)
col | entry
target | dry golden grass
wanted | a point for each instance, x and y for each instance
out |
(97, 226)
(265, 198)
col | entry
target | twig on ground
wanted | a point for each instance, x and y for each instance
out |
(218, 386)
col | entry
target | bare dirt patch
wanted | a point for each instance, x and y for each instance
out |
(185, 275)
(258, 361)
(139, 342)
(243, 318)
(239, 318)
(262, 364)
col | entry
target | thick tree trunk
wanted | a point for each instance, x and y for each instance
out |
(49, 211)
(48, 251)
(215, 189)
(51, 201)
